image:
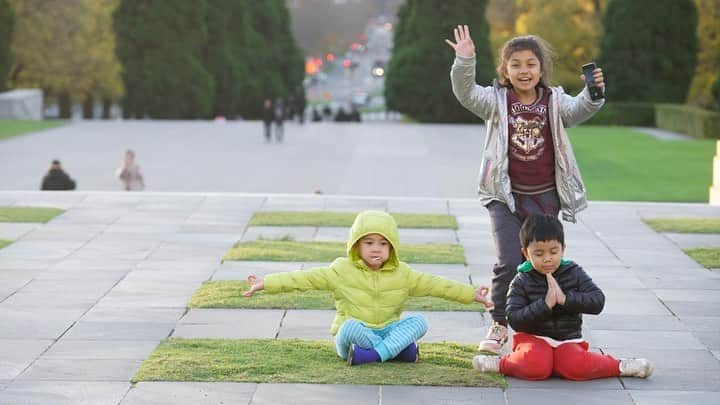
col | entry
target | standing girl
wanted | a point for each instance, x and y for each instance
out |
(528, 166)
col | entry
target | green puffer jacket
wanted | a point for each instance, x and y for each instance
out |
(376, 298)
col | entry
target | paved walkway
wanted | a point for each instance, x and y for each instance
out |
(371, 158)
(85, 298)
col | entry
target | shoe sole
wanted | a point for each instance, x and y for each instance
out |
(491, 347)
(351, 353)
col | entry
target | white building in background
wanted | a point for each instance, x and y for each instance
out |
(22, 104)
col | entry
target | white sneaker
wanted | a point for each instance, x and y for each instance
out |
(484, 364)
(496, 337)
(640, 368)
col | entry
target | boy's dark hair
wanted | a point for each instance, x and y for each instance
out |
(538, 227)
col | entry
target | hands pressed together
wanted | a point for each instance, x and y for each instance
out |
(555, 294)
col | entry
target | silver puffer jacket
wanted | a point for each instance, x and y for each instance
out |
(490, 104)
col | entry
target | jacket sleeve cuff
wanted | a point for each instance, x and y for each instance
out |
(464, 61)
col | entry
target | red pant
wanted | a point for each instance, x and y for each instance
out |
(534, 359)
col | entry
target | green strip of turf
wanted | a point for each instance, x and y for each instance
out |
(310, 362)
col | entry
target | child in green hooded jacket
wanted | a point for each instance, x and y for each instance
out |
(370, 287)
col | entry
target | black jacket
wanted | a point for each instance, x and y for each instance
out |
(57, 179)
(527, 312)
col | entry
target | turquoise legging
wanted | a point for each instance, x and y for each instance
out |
(388, 341)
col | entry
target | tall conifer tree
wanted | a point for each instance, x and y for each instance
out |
(161, 46)
(418, 80)
(649, 49)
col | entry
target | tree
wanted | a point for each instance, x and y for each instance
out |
(65, 48)
(223, 56)
(649, 50)
(708, 33)
(7, 24)
(273, 57)
(161, 45)
(715, 90)
(418, 82)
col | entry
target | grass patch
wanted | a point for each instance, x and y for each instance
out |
(707, 257)
(4, 242)
(28, 214)
(618, 164)
(284, 251)
(228, 294)
(345, 219)
(684, 225)
(11, 128)
(303, 361)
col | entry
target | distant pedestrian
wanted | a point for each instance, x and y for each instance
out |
(341, 115)
(316, 117)
(129, 173)
(301, 103)
(56, 179)
(268, 115)
(279, 118)
(327, 112)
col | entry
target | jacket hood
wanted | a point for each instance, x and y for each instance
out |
(379, 222)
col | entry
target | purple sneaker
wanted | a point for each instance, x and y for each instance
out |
(357, 355)
(410, 354)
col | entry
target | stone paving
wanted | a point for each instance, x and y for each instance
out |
(85, 298)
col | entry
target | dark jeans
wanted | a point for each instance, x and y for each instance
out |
(278, 131)
(268, 128)
(505, 227)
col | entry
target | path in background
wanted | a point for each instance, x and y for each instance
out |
(373, 158)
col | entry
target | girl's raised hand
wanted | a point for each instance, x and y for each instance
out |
(463, 44)
(256, 284)
(598, 76)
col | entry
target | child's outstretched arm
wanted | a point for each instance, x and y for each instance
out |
(425, 284)
(256, 284)
(477, 99)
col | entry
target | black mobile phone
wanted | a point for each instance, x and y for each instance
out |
(596, 92)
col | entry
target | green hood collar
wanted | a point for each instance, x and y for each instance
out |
(526, 266)
(379, 222)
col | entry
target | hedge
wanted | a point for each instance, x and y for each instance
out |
(628, 113)
(687, 119)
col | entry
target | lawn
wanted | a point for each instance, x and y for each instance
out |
(285, 250)
(11, 128)
(684, 225)
(4, 242)
(228, 294)
(304, 361)
(707, 257)
(345, 219)
(28, 214)
(617, 164)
